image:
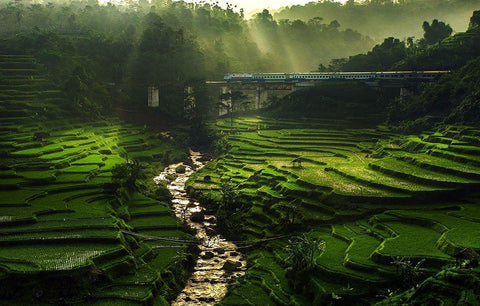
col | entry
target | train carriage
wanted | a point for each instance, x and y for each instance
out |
(322, 76)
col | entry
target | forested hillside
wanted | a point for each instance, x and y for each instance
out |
(453, 98)
(383, 18)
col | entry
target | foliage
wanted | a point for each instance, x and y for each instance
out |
(231, 211)
(67, 246)
(166, 59)
(229, 197)
(439, 289)
(214, 40)
(127, 174)
(382, 18)
(293, 214)
(201, 135)
(334, 99)
(381, 58)
(436, 51)
(180, 169)
(233, 101)
(474, 24)
(408, 272)
(435, 32)
(454, 97)
(302, 252)
(221, 145)
(282, 38)
(343, 190)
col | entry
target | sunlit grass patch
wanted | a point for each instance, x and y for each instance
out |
(413, 241)
(56, 257)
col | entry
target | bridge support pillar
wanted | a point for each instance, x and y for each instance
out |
(261, 97)
(224, 105)
(189, 100)
(153, 96)
(405, 92)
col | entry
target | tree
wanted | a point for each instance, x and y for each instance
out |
(231, 211)
(474, 21)
(292, 213)
(302, 252)
(85, 91)
(231, 101)
(168, 59)
(127, 174)
(435, 32)
(381, 58)
(229, 196)
(408, 272)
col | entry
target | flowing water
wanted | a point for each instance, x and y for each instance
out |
(219, 260)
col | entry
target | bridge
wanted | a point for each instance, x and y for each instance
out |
(261, 86)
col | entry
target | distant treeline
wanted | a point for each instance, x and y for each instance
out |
(110, 53)
(383, 18)
(104, 53)
(437, 50)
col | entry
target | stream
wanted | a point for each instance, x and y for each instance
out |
(219, 260)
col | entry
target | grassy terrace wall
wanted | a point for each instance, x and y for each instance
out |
(61, 224)
(372, 196)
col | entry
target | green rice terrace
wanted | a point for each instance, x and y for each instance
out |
(61, 217)
(393, 217)
(375, 199)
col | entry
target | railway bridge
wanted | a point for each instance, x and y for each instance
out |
(260, 86)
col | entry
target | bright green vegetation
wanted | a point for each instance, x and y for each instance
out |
(61, 221)
(371, 195)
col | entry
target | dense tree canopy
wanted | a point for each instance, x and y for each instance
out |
(435, 32)
(436, 51)
(383, 18)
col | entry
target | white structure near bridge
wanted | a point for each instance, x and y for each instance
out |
(153, 96)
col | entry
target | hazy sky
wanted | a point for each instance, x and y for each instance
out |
(249, 5)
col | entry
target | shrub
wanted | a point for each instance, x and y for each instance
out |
(126, 174)
(302, 252)
(230, 215)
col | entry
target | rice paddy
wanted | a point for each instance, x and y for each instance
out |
(371, 195)
(60, 221)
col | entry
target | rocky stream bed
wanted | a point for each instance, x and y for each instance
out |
(219, 260)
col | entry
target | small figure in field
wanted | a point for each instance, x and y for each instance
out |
(297, 161)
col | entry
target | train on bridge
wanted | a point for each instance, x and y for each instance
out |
(323, 76)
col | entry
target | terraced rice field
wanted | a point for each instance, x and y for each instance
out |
(60, 220)
(371, 195)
